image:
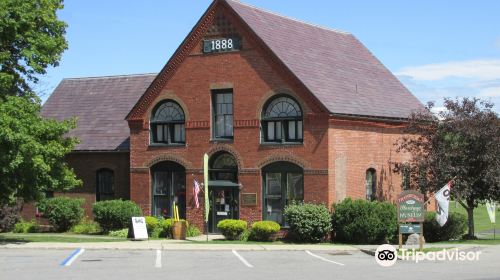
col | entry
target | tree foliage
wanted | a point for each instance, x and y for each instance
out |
(32, 151)
(460, 143)
(31, 39)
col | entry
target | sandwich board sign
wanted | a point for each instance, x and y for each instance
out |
(139, 229)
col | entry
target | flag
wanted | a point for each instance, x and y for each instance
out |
(443, 202)
(490, 207)
(196, 191)
(205, 178)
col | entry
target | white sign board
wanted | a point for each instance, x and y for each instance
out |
(139, 226)
(490, 206)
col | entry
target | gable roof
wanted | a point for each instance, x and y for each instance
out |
(339, 71)
(100, 105)
(335, 66)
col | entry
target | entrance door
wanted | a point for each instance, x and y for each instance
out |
(223, 205)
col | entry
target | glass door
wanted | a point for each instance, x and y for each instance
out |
(223, 205)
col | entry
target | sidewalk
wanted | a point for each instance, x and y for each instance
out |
(199, 244)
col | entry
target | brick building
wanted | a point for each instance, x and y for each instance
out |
(285, 111)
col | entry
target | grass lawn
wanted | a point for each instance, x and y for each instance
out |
(481, 219)
(54, 237)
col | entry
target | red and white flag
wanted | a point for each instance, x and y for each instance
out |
(196, 191)
(443, 202)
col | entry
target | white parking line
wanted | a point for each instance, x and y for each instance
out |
(323, 259)
(158, 259)
(71, 258)
(242, 259)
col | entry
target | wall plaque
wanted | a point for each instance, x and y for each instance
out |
(249, 199)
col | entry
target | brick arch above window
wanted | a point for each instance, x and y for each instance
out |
(170, 157)
(284, 157)
(229, 149)
(276, 92)
(164, 96)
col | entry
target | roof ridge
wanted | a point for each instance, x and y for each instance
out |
(111, 76)
(290, 18)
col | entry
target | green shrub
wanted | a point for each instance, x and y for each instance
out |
(232, 229)
(263, 231)
(25, 227)
(308, 222)
(119, 233)
(245, 235)
(361, 221)
(453, 229)
(165, 226)
(192, 231)
(86, 227)
(62, 212)
(151, 224)
(115, 214)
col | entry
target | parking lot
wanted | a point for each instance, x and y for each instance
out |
(226, 264)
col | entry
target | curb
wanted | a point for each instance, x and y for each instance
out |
(177, 247)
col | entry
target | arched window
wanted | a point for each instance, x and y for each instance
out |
(371, 184)
(168, 123)
(105, 184)
(283, 183)
(223, 167)
(282, 120)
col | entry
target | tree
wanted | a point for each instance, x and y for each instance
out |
(459, 143)
(31, 39)
(32, 151)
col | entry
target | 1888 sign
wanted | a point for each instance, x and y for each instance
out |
(410, 207)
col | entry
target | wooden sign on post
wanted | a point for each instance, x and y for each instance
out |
(411, 210)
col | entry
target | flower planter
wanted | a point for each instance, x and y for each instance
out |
(179, 230)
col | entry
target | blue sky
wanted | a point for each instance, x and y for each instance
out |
(438, 49)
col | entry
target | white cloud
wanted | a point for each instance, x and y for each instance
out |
(469, 69)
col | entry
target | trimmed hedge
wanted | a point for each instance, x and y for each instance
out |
(115, 214)
(25, 227)
(454, 228)
(264, 231)
(364, 222)
(232, 229)
(62, 212)
(308, 222)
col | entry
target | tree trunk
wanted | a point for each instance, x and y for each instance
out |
(470, 218)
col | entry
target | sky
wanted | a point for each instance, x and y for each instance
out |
(437, 49)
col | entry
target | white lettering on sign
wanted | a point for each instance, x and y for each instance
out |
(223, 44)
(139, 227)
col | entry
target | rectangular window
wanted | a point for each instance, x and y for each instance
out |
(291, 130)
(223, 114)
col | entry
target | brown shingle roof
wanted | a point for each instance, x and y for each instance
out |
(335, 66)
(100, 105)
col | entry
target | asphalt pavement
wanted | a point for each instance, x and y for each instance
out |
(80, 263)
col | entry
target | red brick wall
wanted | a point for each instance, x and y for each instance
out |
(85, 165)
(254, 77)
(356, 146)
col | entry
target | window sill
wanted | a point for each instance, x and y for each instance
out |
(226, 140)
(281, 143)
(166, 145)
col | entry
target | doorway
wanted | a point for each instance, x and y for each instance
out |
(223, 190)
